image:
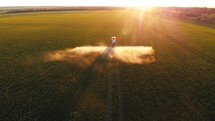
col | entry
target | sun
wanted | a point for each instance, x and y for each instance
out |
(144, 4)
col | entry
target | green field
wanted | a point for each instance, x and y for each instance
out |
(179, 85)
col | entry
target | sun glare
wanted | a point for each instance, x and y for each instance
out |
(142, 4)
(162, 3)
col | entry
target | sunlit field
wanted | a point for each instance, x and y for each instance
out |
(42, 77)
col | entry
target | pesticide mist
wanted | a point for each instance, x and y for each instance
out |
(86, 55)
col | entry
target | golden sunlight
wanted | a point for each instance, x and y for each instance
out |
(181, 3)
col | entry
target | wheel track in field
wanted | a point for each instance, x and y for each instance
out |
(110, 93)
(194, 50)
(185, 93)
(187, 96)
(183, 90)
(120, 91)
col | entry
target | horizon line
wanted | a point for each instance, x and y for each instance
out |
(101, 6)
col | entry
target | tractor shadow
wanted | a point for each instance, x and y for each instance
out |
(63, 109)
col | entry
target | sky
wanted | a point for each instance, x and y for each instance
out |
(135, 3)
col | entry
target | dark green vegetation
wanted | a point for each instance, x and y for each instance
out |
(178, 86)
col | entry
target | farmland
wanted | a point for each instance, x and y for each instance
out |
(179, 85)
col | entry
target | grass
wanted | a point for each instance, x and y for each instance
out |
(178, 86)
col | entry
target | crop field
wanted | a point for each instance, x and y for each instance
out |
(178, 86)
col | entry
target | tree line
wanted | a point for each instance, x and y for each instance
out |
(197, 13)
(8, 10)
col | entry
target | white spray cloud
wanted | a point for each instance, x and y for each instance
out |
(86, 55)
(134, 54)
